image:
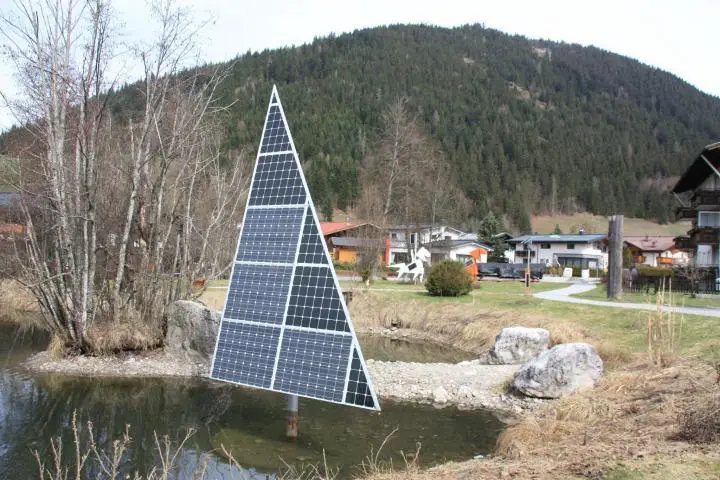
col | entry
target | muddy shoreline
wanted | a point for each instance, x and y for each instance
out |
(466, 385)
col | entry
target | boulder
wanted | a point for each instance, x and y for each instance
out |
(559, 371)
(191, 330)
(516, 345)
(440, 395)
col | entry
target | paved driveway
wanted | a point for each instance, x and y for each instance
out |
(563, 295)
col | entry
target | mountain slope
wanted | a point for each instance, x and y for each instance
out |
(529, 126)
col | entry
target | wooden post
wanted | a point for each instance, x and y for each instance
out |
(291, 424)
(528, 247)
(615, 257)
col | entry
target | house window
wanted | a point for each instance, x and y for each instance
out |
(401, 257)
(571, 246)
(413, 238)
(545, 246)
(573, 262)
(708, 219)
(394, 236)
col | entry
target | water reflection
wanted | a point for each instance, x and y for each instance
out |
(249, 423)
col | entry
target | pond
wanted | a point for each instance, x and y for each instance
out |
(249, 423)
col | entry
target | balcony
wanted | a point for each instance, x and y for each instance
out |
(706, 197)
(705, 235)
(686, 213)
(685, 243)
(666, 261)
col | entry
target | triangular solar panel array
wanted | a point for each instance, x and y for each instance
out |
(285, 325)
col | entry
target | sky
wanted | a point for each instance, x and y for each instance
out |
(676, 36)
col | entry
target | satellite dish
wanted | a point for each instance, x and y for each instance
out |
(285, 325)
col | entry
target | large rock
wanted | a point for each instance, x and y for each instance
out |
(559, 371)
(518, 344)
(191, 330)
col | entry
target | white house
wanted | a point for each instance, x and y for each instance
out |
(417, 236)
(655, 251)
(582, 250)
(443, 242)
(459, 250)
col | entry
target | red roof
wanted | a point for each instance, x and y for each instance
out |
(328, 228)
(12, 228)
(651, 244)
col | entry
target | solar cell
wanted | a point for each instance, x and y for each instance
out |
(270, 235)
(285, 325)
(311, 247)
(277, 181)
(323, 354)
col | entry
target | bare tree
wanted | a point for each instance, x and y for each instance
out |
(123, 214)
(406, 179)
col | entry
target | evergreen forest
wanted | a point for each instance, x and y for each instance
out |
(526, 126)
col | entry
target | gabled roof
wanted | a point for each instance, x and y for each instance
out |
(428, 226)
(699, 170)
(356, 242)
(458, 243)
(651, 244)
(329, 228)
(584, 238)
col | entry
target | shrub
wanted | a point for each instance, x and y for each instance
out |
(648, 271)
(448, 279)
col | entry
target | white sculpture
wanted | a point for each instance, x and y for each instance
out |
(415, 270)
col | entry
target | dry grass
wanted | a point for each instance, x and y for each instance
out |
(467, 326)
(632, 414)
(132, 334)
(17, 305)
(664, 328)
(87, 459)
(599, 224)
(700, 419)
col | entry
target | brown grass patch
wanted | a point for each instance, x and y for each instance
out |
(631, 416)
(468, 326)
(106, 338)
(17, 305)
(700, 419)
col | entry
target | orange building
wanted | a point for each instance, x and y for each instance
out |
(346, 240)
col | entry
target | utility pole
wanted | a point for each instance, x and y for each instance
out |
(615, 263)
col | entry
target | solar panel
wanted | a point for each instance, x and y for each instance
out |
(285, 325)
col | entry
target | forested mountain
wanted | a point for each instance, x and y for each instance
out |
(529, 126)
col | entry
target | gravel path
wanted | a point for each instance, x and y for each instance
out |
(563, 295)
(467, 385)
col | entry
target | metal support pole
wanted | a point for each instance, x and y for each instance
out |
(291, 424)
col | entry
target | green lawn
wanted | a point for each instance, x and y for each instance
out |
(678, 299)
(504, 287)
(625, 329)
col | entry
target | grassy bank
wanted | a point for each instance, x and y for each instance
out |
(16, 304)
(599, 224)
(642, 421)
